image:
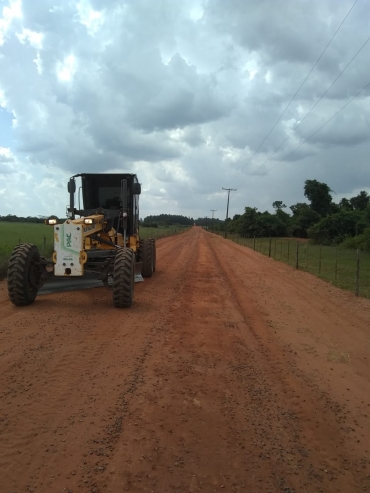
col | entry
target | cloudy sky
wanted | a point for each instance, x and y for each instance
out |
(183, 94)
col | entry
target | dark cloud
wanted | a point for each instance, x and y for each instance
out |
(184, 93)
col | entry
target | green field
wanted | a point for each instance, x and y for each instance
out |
(41, 235)
(336, 265)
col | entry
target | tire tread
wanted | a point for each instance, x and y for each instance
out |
(123, 277)
(18, 289)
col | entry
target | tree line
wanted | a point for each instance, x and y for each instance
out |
(149, 221)
(321, 219)
(11, 218)
(166, 220)
(345, 223)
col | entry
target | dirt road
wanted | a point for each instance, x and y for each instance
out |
(231, 372)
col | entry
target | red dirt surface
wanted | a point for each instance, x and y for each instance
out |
(231, 372)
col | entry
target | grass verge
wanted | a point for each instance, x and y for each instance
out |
(335, 265)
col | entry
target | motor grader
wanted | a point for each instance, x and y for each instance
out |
(103, 242)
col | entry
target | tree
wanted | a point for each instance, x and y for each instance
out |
(268, 225)
(303, 218)
(346, 204)
(278, 205)
(360, 202)
(337, 227)
(319, 196)
(247, 222)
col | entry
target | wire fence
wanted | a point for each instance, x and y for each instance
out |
(346, 269)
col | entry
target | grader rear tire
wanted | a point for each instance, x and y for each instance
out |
(123, 278)
(24, 274)
(147, 258)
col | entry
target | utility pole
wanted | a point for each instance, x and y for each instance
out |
(213, 211)
(227, 208)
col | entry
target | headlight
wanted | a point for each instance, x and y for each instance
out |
(51, 221)
(88, 220)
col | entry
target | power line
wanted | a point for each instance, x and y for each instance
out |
(322, 126)
(314, 106)
(300, 87)
(227, 208)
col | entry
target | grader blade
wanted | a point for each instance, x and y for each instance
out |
(138, 276)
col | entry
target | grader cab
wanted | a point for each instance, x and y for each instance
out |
(103, 241)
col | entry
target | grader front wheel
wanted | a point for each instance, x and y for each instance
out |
(24, 274)
(123, 278)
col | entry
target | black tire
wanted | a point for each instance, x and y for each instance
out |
(154, 255)
(147, 258)
(24, 274)
(123, 278)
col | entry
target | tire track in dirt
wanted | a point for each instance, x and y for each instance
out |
(220, 413)
(296, 280)
(336, 396)
(190, 390)
(97, 474)
(315, 420)
(64, 374)
(212, 414)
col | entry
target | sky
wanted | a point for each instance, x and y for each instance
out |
(192, 96)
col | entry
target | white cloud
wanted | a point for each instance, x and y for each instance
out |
(34, 38)
(90, 18)
(183, 93)
(10, 13)
(67, 69)
(2, 99)
(196, 13)
(38, 62)
(29, 190)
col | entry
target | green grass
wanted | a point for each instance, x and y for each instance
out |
(160, 232)
(336, 265)
(41, 235)
(13, 233)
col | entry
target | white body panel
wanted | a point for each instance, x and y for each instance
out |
(68, 244)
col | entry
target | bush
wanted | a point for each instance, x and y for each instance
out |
(359, 242)
(149, 225)
(338, 227)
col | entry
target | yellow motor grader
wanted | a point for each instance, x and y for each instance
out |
(104, 241)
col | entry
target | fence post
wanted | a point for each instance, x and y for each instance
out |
(320, 259)
(307, 256)
(43, 246)
(281, 249)
(274, 247)
(270, 248)
(288, 250)
(296, 256)
(357, 285)
(336, 264)
(254, 243)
